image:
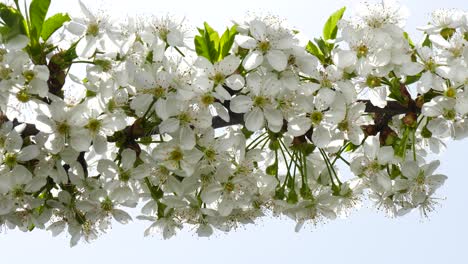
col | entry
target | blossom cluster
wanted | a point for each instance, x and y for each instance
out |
(217, 131)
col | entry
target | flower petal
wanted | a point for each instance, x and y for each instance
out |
(235, 82)
(254, 119)
(241, 104)
(277, 59)
(252, 60)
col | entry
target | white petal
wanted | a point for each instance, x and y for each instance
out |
(246, 42)
(371, 147)
(410, 169)
(17, 43)
(107, 168)
(57, 228)
(211, 194)
(432, 109)
(225, 207)
(355, 135)
(21, 175)
(321, 137)
(169, 125)
(187, 138)
(141, 171)
(241, 104)
(299, 126)
(55, 143)
(222, 111)
(229, 64)
(381, 58)
(100, 144)
(252, 60)
(39, 87)
(378, 96)
(36, 184)
(204, 230)
(86, 47)
(28, 153)
(86, 11)
(254, 119)
(462, 105)
(42, 72)
(75, 28)
(222, 93)
(44, 124)
(277, 59)
(258, 29)
(128, 158)
(344, 58)
(235, 82)
(384, 181)
(412, 68)
(13, 142)
(324, 98)
(273, 116)
(121, 194)
(386, 154)
(204, 64)
(439, 127)
(80, 140)
(121, 216)
(175, 38)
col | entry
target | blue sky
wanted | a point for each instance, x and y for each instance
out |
(367, 236)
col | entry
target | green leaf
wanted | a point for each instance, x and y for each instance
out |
(226, 41)
(37, 12)
(52, 24)
(314, 50)
(410, 42)
(412, 79)
(396, 92)
(330, 29)
(323, 46)
(351, 147)
(201, 47)
(212, 38)
(207, 43)
(14, 23)
(426, 42)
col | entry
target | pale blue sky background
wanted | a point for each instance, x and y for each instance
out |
(365, 237)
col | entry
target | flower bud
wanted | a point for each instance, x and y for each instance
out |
(292, 197)
(420, 101)
(279, 194)
(274, 145)
(370, 130)
(410, 119)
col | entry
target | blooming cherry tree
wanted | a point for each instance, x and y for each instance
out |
(209, 130)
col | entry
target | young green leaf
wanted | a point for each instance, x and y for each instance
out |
(226, 41)
(37, 12)
(52, 24)
(201, 47)
(331, 26)
(426, 42)
(14, 22)
(212, 38)
(314, 50)
(207, 43)
(323, 46)
(410, 42)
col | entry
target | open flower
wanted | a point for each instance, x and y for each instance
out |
(259, 104)
(264, 43)
(95, 31)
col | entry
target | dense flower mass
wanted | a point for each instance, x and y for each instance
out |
(217, 130)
